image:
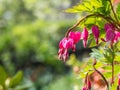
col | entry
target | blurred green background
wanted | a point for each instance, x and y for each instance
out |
(30, 31)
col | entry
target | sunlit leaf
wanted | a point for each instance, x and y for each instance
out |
(96, 3)
(3, 75)
(16, 79)
(78, 8)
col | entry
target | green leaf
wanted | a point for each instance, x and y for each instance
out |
(16, 79)
(96, 54)
(84, 7)
(118, 11)
(109, 55)
(90, 20)
(92, 41)
(3, 76)
(96, 3)
(77, 8)
(105, 8)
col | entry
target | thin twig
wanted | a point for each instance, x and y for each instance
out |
(75, 25)
(113, 57)
(113, 10)
(94, 63)
(112, 73)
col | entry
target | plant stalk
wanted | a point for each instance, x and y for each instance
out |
(94, 63)
(112, 81)
(113, 11)
(112, 73)
(107, 18)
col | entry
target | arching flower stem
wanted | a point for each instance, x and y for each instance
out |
(107, 18)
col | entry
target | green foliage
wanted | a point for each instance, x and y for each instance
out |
(16, 79)
(3, 76)
(64, 83)
(29, 39)
(80, 8)
(7, 82)
(106, 54)
(92, 6)
(97, 54)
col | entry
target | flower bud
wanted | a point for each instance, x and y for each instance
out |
(84, 88)
(95, 31)
(84, 36)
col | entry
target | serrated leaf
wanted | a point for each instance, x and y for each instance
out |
(96, 54)
(16, 79)
(109, 55)
(3, 75)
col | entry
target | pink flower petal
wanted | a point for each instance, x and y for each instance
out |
(66, 43)
(110, 35)
(89, 85)
(109, 26)
(84, 36)
(84, 88)
(117, 36)
(95, 31)
(75, 36)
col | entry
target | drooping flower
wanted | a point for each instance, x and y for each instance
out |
(89, 85)
(95, 31)
(109, 26)
(84, 36)
(75, 36)
(119, 79)
(64, 45)
(117, 36)
(110, 35)
(84, 88)
(63, 54)
(68, 43)
(118, 86)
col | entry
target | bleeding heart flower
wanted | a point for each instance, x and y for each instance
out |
(118, 86)
(68, 43)
(75, 36)
(63, 54)
(84, 36)
(95, 31)
(109, 26)
(89, 85)
(110, 35)
(84, 88)
(117, 36)
(119, 79)
(64, 45)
